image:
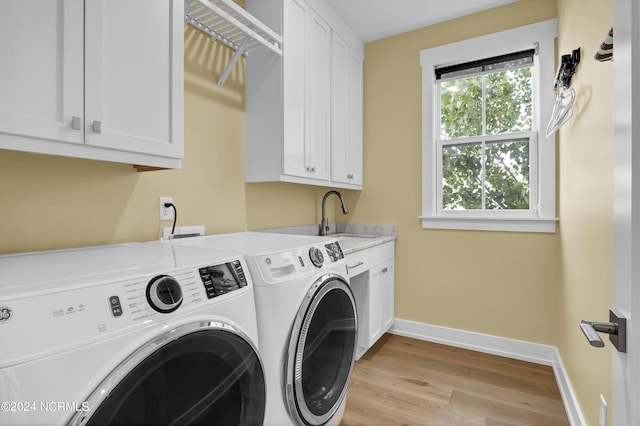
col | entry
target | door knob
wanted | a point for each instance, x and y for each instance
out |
(616, 328)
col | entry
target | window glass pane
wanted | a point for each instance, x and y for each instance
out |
(461, 108)
(508, 97)
(462, 177)
(507, 183)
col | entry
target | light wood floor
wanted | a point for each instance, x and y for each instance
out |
(402, 381)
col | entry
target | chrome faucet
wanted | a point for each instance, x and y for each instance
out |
(324, 226)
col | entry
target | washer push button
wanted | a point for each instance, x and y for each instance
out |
(208, 284)
(116, 307)
(240, 273)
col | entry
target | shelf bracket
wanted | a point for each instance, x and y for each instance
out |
(232, 63)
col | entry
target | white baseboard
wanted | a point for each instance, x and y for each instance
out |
(494, 345)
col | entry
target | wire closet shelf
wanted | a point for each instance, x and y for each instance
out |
(225, 21)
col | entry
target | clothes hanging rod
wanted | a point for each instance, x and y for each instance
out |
(225, 21)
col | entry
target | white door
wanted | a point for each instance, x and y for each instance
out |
(626, 292)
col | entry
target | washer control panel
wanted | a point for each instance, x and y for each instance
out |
(222, 279)
(334, 251)
(286, 265)
(138, 300)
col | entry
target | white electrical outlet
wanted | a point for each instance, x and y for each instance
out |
(166, 213)
(603, 411)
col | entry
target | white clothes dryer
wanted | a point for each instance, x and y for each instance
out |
(307, 322)
(129, 334)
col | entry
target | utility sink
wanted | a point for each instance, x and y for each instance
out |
(349, 241)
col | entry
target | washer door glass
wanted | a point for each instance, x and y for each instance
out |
(204, 377)
(321, 357)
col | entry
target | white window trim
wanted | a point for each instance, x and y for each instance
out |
(543, 216)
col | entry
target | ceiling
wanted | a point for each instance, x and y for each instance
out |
(376, 19)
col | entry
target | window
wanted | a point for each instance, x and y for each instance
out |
(486, 164)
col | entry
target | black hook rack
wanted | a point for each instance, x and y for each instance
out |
(567, 69)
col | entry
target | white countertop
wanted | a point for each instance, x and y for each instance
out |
(352, 237)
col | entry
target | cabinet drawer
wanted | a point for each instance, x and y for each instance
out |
(381, 253)
(357, 262)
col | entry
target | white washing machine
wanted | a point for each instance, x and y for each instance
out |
(129, 334)
(307, 322)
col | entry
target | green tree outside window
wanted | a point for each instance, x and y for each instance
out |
(487, 173)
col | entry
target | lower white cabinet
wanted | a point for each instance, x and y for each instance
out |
(371, 274)
(381, 288)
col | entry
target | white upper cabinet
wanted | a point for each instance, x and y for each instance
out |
(291, 99)
(98, 79)
(41, 69)
(306, 115)
(318, 78)
(346, 113)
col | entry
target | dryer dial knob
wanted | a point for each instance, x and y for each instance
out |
(316, 257)
(164, 294)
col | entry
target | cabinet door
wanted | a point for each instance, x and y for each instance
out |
(346, 113)
(339, 109)
(355, 136)
(387, 291)
(133, 81)
(375, 304)
(306, 92)
(41, 46)
(318, 94)
(295, 110)
(381, 307)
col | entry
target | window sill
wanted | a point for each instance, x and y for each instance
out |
(470, 223)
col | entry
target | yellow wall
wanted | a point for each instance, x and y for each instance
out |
(533, 287)
(55, 202)
(585, 165)
(504, 284)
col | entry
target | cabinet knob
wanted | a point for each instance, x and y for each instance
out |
(349, 176)
(76, 123)
(384, 270)
(313, 170)
(97, 127)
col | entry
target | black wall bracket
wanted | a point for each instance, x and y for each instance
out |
(567, 68)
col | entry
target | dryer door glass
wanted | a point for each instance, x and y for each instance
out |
(204, 377)
(321, 359)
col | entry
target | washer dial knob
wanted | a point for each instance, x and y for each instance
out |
(316, 257)
(164, 294)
